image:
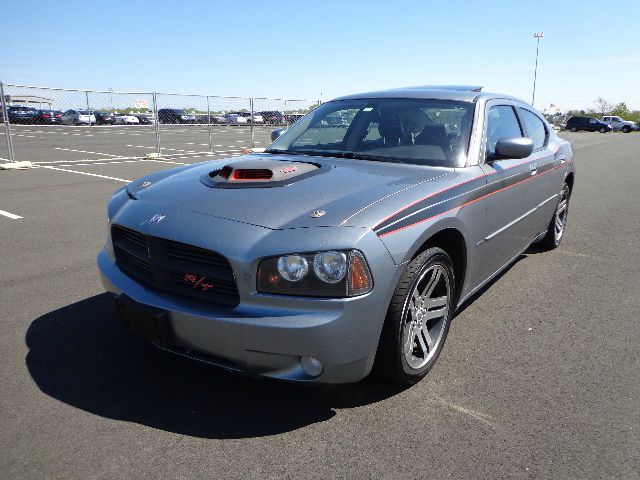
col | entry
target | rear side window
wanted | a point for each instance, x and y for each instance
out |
(535, 128)
(501, 123)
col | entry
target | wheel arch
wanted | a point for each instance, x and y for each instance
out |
(569, 180)
(452, 241)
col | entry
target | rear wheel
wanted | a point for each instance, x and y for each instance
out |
(603, 130)
(558, 222)
(418, 318)
(574, 129)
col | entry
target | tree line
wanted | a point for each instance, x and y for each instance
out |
(602, 107)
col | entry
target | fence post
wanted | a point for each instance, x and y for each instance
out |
(157, 119)
(86, 94)
(284, 113)
(7, 126)
(251, 117)
(209, 123)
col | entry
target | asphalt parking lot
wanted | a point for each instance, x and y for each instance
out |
(539, 377)
(50, 144)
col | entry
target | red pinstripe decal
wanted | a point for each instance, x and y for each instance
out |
(473, 201)
(444, 190)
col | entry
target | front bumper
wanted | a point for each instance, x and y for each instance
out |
(267, 335)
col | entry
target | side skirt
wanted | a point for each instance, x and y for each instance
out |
(494, 274)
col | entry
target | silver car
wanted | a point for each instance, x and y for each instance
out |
(78, 117)
(349, 244)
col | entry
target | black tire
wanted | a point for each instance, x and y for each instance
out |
(626, 129)
(553, 237)
(574, 129)
(603, 130)
(391, 359)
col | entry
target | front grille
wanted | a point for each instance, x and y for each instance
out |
(178, 268)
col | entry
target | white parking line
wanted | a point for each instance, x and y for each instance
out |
(10, 215)
(83, 173)
(161, 161)
(85, 151)
(134, 159)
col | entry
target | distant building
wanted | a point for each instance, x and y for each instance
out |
(28, 101)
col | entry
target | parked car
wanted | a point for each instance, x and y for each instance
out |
(617, 123)
(21, 114)
(588, 124)
(105, 118)
(339, 250)
(78, 117)
(175, 115)
(236, 118)
(145, 118)
(126, 119)
(273, 117)
(215, 119)
(292, 118)
(48, 117)
(256, 119)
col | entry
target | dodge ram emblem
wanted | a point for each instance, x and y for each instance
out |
(157, 218)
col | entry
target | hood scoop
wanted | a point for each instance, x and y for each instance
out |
(259, 173)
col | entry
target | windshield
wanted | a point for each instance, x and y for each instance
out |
(417, 131)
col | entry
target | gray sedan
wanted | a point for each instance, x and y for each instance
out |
(349, 244)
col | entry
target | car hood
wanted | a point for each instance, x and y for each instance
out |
(336, 193)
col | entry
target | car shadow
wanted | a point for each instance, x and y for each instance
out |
(81, 356)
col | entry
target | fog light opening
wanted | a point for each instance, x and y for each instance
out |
(311, 366)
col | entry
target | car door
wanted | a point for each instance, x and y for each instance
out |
(67, 117)
(616, 123)
(512, 196)
(548, 179)
(593, 125)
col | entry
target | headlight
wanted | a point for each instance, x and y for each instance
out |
(293, 267)
(330, 267)
(334, 274)
(184, 117)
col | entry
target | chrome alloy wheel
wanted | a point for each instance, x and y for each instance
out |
(560, 218)
(425, 316)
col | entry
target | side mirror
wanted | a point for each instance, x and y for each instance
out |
(515, 147)
(276, 133)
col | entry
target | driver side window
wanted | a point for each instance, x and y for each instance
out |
(501, 123)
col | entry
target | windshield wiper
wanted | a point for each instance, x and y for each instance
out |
(288, 152)
(352, 155)
(336, 154)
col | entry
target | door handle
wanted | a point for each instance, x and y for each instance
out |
(533, 168)
(562, 158)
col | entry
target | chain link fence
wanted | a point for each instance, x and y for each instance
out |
(43, 124)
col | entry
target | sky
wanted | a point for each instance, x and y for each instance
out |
(324, 49)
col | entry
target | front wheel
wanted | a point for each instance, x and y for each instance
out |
(558, 222)
(626, 129)
(574, 129)
(418, 318)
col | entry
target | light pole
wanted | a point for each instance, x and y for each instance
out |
(537, 36)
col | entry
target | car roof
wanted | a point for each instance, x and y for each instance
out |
(465, 93)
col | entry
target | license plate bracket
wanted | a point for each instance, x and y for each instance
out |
(147, 322)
